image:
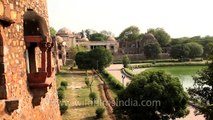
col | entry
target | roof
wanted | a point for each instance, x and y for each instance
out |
(64, 31)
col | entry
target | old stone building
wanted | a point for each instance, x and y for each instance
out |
(27, 81)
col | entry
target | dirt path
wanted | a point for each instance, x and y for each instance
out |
(115, 70)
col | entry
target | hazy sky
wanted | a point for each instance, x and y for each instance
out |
(178, 17)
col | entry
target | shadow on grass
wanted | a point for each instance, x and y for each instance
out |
(90, 118)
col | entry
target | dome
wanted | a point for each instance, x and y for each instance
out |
(65, 31)
(59, 39)
(111, 38)
(149, 36)
(84, 39)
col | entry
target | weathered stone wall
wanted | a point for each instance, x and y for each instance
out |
(13, 76)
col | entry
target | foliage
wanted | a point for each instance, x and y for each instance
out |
(64, 84)
(87, 82)
(89, 32)
(125, 61)
(152, 50)
(74, 50)
(63, 107)
(100, 112)
(161, 35)
(202, 92)
(130, 34)
(208, 49)
(180, 51)
(98, 37)
(107, 33)
(52, 32)
(167, 92)
(113, 82)
(60, 94)
(196, 50)
(98, 58)
(93, 97)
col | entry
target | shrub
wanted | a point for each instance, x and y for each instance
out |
(65, 84)
(60, 94)
(61, 88)
(63, 107)
(87, 81)
(93, 97)
(99, 112)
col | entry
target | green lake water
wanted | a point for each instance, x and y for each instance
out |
(184, 73)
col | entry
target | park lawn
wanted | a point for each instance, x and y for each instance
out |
(179, 70)
(77, 96)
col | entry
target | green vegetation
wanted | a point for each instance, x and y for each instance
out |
(152, 51)
(93, 97)
(131, 33)
(98, 37)
(99, 112)
(125, 61)
(64, 84)
(152, 86)
(202, 92)
(52, 32)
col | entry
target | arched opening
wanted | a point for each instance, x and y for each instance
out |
(38, 46)
(3, 94)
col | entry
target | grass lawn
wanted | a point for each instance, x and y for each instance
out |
(179, 70)
(77, 96)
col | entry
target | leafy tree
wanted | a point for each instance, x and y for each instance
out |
(101, 58)
(180, 51)
(152, 50)
(98, 58)
(125, 61)
(74, 50)
(202, 92)
(153, 86)
(107, 33)
(98, 37)
(52, 32)
(83, 60)
(196, 50)
(130, 34)
(93, 97)
(90, 32)
(208, 49)
(161, 35)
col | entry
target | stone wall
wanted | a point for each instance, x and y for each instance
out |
(26, 103)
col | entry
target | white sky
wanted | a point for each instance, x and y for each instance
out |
(178, 17)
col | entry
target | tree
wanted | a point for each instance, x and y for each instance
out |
(98, 58)
(107, 33)
(101, 58)
(202, 92)
(208, 49)
(180, 51)
(74, 50)
(152, 50)
(147, 87)
(196, 50)
(52, 32)
(90, 32)
(125, 61)
(130, 34)
(98, 37)
(161, 35)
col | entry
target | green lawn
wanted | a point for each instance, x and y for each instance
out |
(179, 70)
(77, 96)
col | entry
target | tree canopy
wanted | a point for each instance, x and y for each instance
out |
(180, 51)
(130, 34)
(202, 92)
(98, 58)
(98, 37)
(52, 32)
(196, 50)
(161, 35)
(153, 86)
(152, 50)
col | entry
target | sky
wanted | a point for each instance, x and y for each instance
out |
(179, 18)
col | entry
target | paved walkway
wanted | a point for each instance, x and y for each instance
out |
(115, 70)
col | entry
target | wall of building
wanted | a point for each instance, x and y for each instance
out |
(13, 78)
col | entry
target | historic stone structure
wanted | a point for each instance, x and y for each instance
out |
(27, 81)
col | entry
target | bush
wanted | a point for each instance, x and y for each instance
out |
(65, 84)
(87, 81)
(61, 88)
(93, 97)
(99, 112)
(63, 107)
(60, 94)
